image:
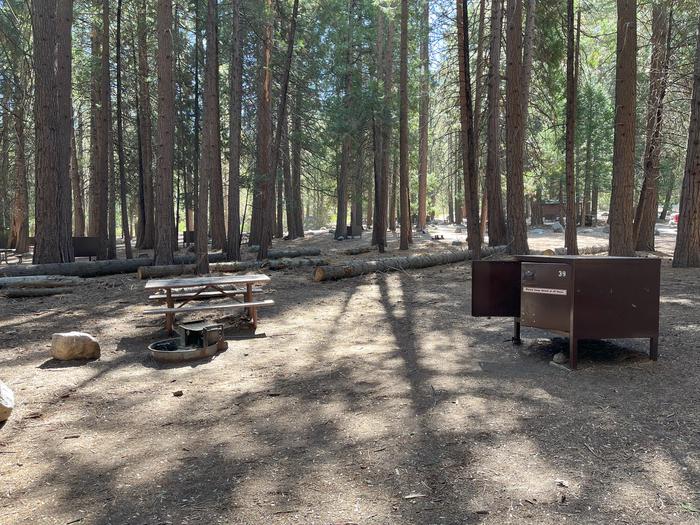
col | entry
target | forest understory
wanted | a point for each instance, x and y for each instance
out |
(376, 399)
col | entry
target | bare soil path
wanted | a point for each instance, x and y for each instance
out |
(370, 400)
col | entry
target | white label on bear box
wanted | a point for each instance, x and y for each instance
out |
(545, 291)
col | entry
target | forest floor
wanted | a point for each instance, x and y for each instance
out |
(372, 400)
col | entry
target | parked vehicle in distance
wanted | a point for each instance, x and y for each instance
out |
(673, 221)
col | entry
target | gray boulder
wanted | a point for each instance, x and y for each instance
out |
(560, 358)
(7, 401)
(557, 227)
(74, 345)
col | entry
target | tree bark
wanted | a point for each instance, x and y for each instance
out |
(145, 132)
(515, 133)
(101, 181)
(261, 208)
(342, 188)
(571, 81)
(423, 114)
(19, 234)
(212, 135)
(77, 188)
(496, 221)
(295, 200)
(126, 233)
(404, 200)
(163, 187)
(468, 137)
(233, 248)
(645, 216)
(622, 194)
(51, 24)
(687, 251)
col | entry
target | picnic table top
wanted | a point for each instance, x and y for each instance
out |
(206, 281)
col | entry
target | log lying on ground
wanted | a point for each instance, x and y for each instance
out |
(589, 250)
(153, 272)
(94, 268)
(40, 281)
(413, 262)
(15, 293)
(288, 253)
(390, 264)
(359, 250)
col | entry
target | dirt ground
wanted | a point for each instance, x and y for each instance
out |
(373, 400)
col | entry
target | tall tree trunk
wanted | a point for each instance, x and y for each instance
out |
(669, 195)
(378, 234)
(196, 110)
(126, 233)
(112, 187)
(404, 200)
(100, 205)
(19, 234)
(296, 204)
(282, 110)
(622, 194)
(233, 249)
(645, 216)
(51, 25)
(94, 176)
(468, 137)
(77, 188)
(478, 96)
(213, 133)
(145, 132)
(687, 252)
(423, 115)
(392, 201)
(571, 80)
(496, 221)
(587, 170)
(515, 133)
(64, 71)
(261, 211)
(163, 184)
(342, 188)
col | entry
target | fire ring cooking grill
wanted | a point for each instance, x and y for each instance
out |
(197, 340)
(580, 297)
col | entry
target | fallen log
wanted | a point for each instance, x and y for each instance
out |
(413, 262)
(94, 268)
(287, 253)
(359, 250)
(153, 272)
(39, 281)
(389, 264)
(16, 293)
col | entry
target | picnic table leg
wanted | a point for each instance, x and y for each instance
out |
(252, 312)
(169, 317)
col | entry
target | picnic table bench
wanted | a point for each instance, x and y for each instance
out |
(185, 290)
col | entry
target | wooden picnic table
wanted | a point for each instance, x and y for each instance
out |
(185, 290)
(5, 253)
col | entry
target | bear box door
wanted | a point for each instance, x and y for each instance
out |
(496, 288)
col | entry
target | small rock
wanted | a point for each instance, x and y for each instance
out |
(657, 232)
(560, 358)
(557, 227)
(7, 402)
(457, 243)
(177, 393)
(74, 345)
